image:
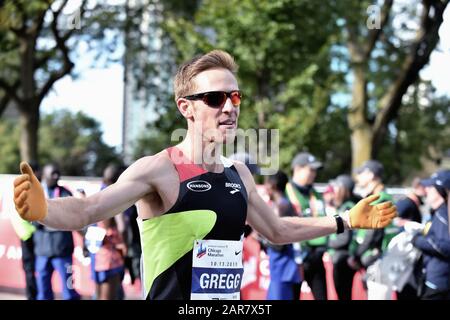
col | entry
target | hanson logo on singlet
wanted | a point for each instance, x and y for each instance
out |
(198, 186)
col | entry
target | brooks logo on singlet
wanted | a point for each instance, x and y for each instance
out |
(235, 186)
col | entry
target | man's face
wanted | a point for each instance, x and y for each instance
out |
(215, 124)
(50, 175)
(364, 178)
(305, 175)
(420, 190)
(432, 195)
(339, 193)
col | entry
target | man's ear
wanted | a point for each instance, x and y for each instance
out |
(185, 107)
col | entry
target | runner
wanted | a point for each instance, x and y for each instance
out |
(192, 210)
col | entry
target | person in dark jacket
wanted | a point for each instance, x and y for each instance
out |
(409, 209)
(285, 280)
(53, 248)
(339, 244)
(435, 244)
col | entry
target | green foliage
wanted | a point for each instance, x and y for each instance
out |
(293, 59)
(420, 133)
(74, 141)
(9, 147)
(283, 49)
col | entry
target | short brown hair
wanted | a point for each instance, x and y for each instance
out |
(183, 84)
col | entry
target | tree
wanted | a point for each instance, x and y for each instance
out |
(370, 49)
(283, 52)
(39, 41)
(74, 141)
(149, 63)
(297, 70)
(36, 55)
(412, 139)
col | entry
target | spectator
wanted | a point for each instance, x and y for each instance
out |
(369, 179)
(339, 244)
(25, 230)
(328, 198)
(309, 203)
(107, 249)
(409, 207)
(435, 243)
(53, 248)
(285, 278)
(133, 243)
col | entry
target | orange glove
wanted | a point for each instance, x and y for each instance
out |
(29, 196)
(366, 216)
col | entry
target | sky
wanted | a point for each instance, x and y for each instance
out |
(96, 92)
(99, 92)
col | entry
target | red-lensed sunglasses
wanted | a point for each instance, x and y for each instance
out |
(217, 99)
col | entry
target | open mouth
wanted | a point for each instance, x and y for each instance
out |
(227, 123)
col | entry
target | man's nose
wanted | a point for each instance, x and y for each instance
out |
(228, 106)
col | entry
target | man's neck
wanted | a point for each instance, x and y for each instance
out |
(299, 181)
(203, 153)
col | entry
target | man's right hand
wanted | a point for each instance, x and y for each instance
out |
(29, 197)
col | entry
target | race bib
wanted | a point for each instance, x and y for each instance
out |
(216, 270)
(94, 238)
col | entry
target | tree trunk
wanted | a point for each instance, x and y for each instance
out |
(29, 106)
(29, 124)
(361, 137)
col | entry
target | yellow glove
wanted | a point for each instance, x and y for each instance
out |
(29, 196)
(366, 216)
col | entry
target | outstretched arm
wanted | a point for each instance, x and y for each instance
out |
(292, 229)
(285, 229)
(72, 213)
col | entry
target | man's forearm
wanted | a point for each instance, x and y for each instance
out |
(67, 213)
(294, 229)
(74, 213)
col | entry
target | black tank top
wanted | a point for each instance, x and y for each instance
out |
(222, 195)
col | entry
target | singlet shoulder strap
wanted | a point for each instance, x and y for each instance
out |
(232, 174)
(185, 168)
